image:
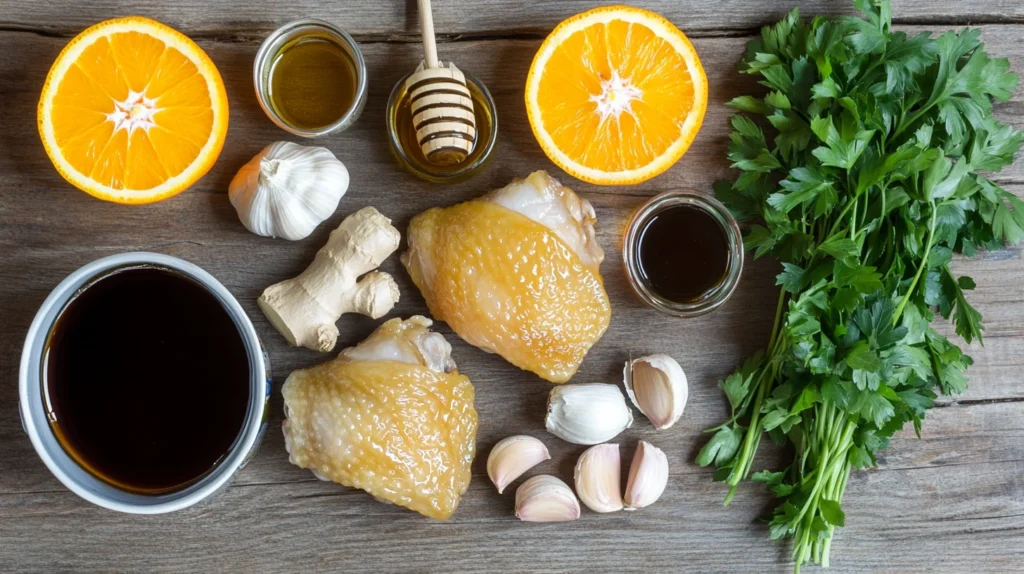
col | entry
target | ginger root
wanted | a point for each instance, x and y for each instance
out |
(304, 309)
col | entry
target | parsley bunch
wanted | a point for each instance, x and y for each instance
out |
(869, 182)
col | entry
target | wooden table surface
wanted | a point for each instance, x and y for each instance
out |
(951, 501)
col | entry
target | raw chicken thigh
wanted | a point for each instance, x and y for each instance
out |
(515, 272)
(390, 415)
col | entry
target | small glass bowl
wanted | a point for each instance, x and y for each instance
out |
(718, 294)
(407, 152)
(272, 46)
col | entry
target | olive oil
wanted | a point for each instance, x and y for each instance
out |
(683, 253)
(312, 82)
(146, 380)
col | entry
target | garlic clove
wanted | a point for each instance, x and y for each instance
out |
(597, 478)
(288, 189)
(544, 498)
(657, 386)
(513, 456)
(648, 476)
(588, 413)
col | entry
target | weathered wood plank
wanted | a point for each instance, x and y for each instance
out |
(957, 487)
(486, 18)
(922, 519)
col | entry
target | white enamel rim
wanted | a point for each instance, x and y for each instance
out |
(661, 28)
(173, 39)
(29, 382)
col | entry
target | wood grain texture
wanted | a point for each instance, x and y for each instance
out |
(397, 18)
(951, 501)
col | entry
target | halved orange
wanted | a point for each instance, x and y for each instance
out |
(133, 111)
(616, 95)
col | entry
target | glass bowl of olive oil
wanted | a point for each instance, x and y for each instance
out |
(310, 78)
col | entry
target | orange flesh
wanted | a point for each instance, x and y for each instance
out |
(574, 74)
(106, 73)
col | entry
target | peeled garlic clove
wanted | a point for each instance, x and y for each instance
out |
(587, 414)
(513, 456)
(288, 189)
(544, 498)
(648, 476)
(657, 386)
(597, 478)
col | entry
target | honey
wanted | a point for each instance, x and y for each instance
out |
(313, 82)
(406, 147)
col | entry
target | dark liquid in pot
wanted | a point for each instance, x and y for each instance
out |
(683, 253)
(146, 379)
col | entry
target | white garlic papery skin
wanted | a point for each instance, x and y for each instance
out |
(544, 498)
(657, 386)
(597, 477)
(288, 189)
(513, 456)
(587, 414)
(648, 476)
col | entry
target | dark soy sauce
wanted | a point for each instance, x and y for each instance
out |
(146, 379)
(683, 253)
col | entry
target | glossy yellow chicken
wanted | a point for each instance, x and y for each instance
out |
(391, 416)
(515, 272)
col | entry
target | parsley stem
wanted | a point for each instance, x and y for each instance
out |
(913, 118)
(778, 320)
(752, 437)
(838, 220)
(920, 268)
(853, 217)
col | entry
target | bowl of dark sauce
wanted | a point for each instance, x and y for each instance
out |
(683, 253)
(143, 383)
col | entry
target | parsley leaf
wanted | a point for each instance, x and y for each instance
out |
(877, 175)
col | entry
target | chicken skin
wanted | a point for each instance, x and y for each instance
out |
(391, 416)
(515, 272)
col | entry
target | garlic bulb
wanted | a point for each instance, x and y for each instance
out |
(288, 189)
(648, 476)
(544, 498)
(587, 414)
(513, 456)
(657, 386)
(598, 478)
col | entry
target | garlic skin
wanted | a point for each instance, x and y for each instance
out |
(513, 456)
(657, 386)
(588, 413)
(288, 189)
(544, 498)
(648, 476)
(597, 478)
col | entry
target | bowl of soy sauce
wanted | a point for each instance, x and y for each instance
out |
(143, 384)
(683, 253)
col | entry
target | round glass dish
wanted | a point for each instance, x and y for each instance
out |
(709, 300)
(298, 30)
(406, 150)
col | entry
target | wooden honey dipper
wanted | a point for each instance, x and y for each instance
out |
(442, 107)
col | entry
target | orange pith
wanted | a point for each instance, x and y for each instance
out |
(133, 111)
(616, 95)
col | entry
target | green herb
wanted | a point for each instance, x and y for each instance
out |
(870, 181)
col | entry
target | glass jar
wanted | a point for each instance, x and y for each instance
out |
(301, 30)
(406, 149)
(710, 299)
